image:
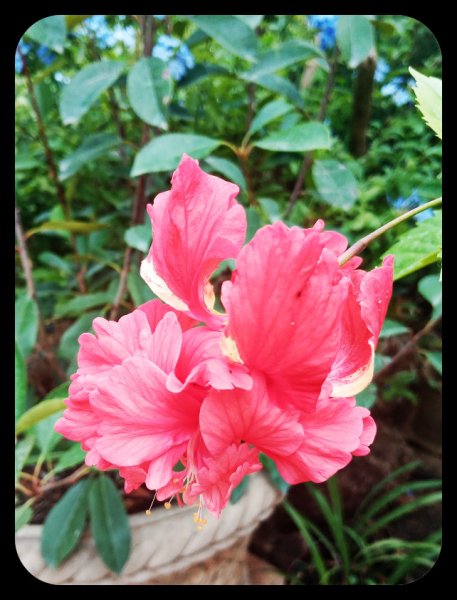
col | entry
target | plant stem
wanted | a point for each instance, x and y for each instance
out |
(308, 160)
(406, 349)
(60, 192)
(365, 241)
(23, 254)
(73, 478)
(362, 106)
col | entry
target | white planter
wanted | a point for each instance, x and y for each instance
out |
(166, 547)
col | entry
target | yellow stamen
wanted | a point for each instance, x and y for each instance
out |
(167, 505)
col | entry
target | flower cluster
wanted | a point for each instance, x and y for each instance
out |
(176, 54)
(326, 25)
(183, 398)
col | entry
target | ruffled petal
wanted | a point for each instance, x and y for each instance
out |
(363, 317)
(195, 226)
(284, 305)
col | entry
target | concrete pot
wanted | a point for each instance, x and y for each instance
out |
(166, 547)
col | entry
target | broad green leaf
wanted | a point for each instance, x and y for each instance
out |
(73, 226)
(26, 324)
(271, 209)
(49, 32)
(20, 382)
(86, 87)
(432, 290)
(228, 169)
(435, 358)
(149, 91)
(335, 183)
(254, 222)
(69, 346)
(65, 524)
(354, 34)
(139, 236)
(268, 113)
(232, 33)
(163, 153)
(282, 56)
(391, 328)
(109, 523)
(252, 21)
(300, 138)
(200, 71)
(279, 85)
(37, 413)
(79, 304)
(21, 453)
(55, 262)
(138, 289)
(418, 247)
(240, 490)
(93, 146)
(429, 100)
(367, 397)
(22, 515)
(60, 391)
(70, 458)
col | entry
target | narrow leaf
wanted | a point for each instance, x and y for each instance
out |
(21, 453)
(37, 413)
(300, 138)
(268, 113)
(22, 515)
(232, 33)
(93, 147)
(70, 458)
(20, 383)
(26, 324)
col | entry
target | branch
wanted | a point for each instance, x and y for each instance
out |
(406, 349)
(362, 106)
(24, 256)
(308, 160)
(359, 246)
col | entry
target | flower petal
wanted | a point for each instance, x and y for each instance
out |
(284, 306)
(195, 226)
(364, 314)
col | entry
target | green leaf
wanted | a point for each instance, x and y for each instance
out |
(271, 209)
(73, 226)
(65, 524)
(22, 515)
(429, 100)
(251, 21)
(268, 113)
(418, 247)
(279, 85)
(368, 396)
(288, 53)
(21, 452)
(20, 382)
(436, 360)
(149, 91)
(109, 523)
(392, 328)
(232, 33)
(49, 32)
(163, 153)
(68, 346)
(86, 87)
(335, 183)
(240, 490)
(59, 392)
(26, 324)
(254, 222)
(300, 138)
(139, 236)
(79, 304)
(73, 20)
(70, 458)
(93, 146)
(138, 289)
(40, 411)
(274, 474)
(354, 34)
(54, 261)
(432, 290)
(228, 169)
(200, 71)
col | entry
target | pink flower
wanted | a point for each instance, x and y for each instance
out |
(195, 226)
(120, 407)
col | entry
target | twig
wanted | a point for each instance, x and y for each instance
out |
(60, 192)
(23, 254)
(361, 244)
(362, 106)
(406, 349)
(67, 480)
(308, 160)
(140, 199)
